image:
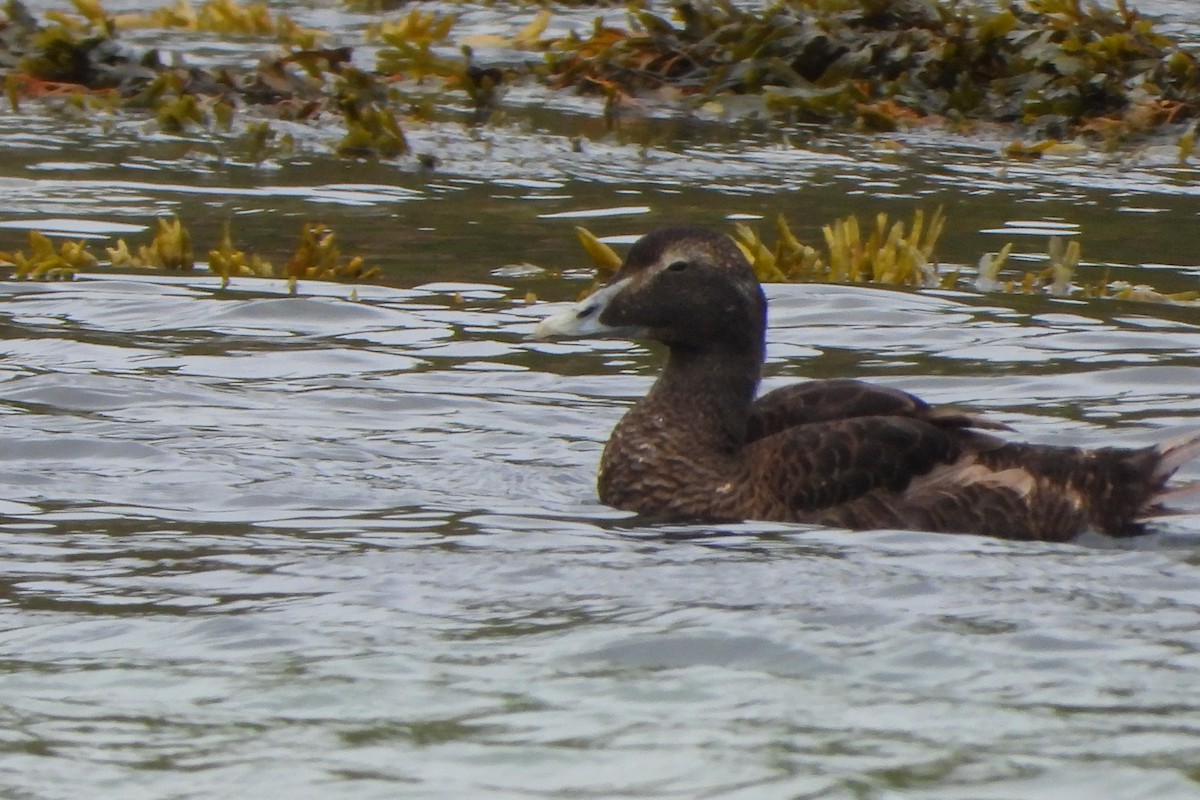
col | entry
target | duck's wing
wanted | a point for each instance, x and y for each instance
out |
(902, 472)
(845, 398)
(820, 465)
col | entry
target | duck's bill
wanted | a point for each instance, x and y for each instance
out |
(583, 318)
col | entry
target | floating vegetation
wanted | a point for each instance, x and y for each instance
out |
(1053, 65)
(887, 254)
(317, 257)
(215, 16)
(46, 263)
(178, 111)
(1060, 278)
(170, 249)
(1055, 279)
(82, 58)
(409, 54)
(987, 274)
(61, 55)
(604, 258)
(1060, 69)
(1123, 290)
(895, 254)
(1046, 147)
(229, 262)
(259, 141)
(371, 125)
(374, 6)
(408, 45)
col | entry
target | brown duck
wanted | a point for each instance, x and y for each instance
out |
(700, 446)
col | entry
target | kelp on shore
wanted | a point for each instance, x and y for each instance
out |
(1050, 68)
(1058, 67)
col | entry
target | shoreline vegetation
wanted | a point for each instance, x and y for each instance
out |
(1068, 73)
(1056, 70)
(884, 253)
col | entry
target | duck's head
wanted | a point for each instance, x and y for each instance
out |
(690, 288)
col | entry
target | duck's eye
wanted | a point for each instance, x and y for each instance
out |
(677, 266)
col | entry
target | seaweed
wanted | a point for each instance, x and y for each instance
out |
(603, 257)
(1052, 65)
(318, 257)
(1062, 262)
(215, 16)
(171, 248)
(409, 45)
(226, 261)
(1056, 68)
(374, 6)
(371, 125)
(886, 255)
(895, 254)
(46, 263)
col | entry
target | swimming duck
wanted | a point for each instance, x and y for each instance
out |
(701, 446)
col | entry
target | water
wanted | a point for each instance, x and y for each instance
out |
(325, 546)
(319, 547)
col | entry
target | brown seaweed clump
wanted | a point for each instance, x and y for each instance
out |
(1054, 65)
(82, 58)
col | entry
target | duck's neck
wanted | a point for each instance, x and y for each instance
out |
(675, 449)
(714, 388)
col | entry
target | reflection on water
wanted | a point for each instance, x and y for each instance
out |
(333, 548)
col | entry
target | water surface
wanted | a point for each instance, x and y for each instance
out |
(336, 548)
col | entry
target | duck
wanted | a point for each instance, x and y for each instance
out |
(704, 446)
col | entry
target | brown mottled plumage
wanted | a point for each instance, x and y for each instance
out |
(836, 452)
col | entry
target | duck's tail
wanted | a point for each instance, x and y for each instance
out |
(1172, 454)
(1112, 490)
(1176, 452)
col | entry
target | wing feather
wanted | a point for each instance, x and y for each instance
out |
(845, 398)
(818, 465)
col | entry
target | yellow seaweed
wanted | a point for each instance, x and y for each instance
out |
(318, 257)
(602, 256)
(227, 261)
(46, 263)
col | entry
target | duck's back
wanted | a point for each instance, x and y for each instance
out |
(855, 455)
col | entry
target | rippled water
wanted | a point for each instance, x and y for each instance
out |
(314, 547)
(347, 546)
